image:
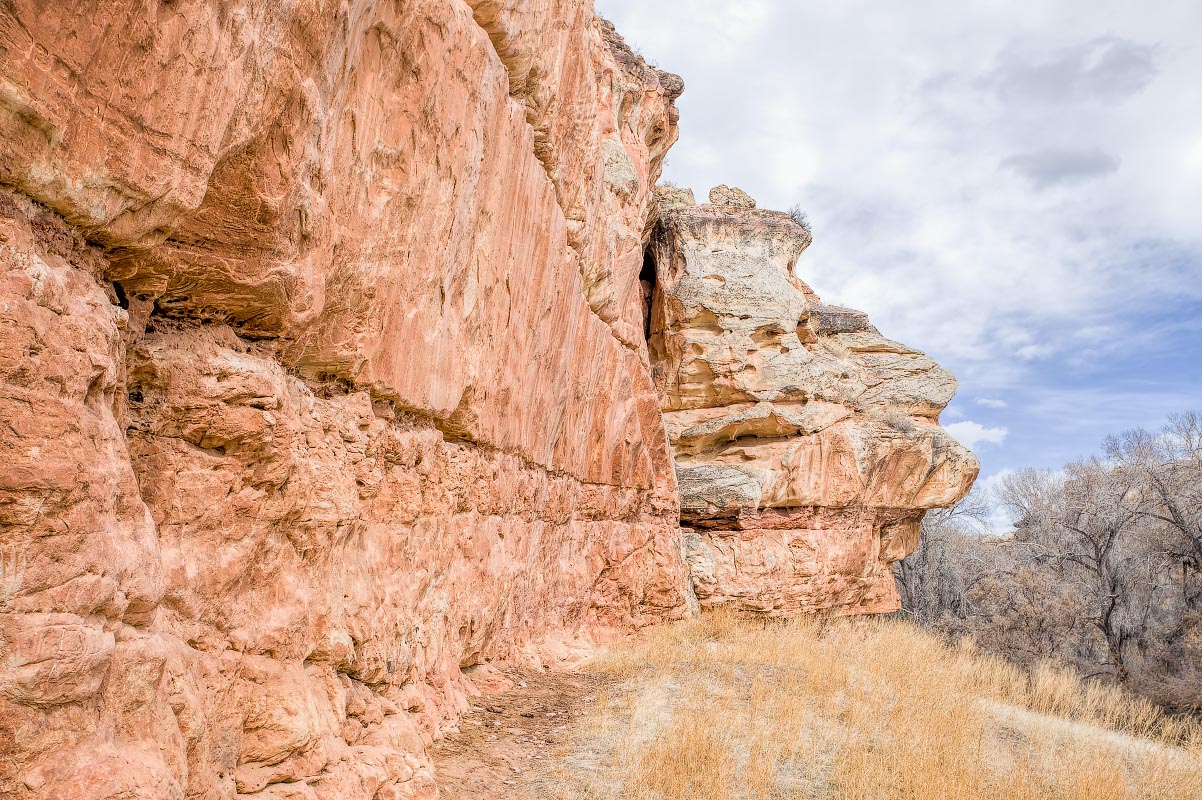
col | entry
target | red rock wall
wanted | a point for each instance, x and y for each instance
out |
(321, 378)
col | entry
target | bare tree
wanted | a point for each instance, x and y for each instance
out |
(1169, 468)
(1028, 492)
(1094, 522)
(1103, 570)
(934, 580)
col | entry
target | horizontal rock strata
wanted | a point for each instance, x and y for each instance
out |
(328, 382)
(322, 380)
(807, 446)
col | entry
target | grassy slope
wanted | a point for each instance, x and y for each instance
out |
(723, 707)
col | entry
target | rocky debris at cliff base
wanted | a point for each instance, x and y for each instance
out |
(510, 740)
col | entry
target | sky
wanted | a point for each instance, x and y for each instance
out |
(1015, 189)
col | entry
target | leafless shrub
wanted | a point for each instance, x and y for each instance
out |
(800, 217)
(1102, 572)
(895, 418)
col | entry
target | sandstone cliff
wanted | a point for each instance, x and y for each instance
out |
(322, 382)
(325, 384)
(807, 445)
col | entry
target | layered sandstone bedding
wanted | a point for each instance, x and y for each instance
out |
(322, 382)
(807, 445)
(325, 388)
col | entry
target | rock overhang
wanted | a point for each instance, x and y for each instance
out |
(778, 404)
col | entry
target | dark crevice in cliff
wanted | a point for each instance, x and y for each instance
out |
(647, 284)
(524, 79)
(657, 259)
(122, 299)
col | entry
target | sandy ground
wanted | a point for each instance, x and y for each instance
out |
(510, 739)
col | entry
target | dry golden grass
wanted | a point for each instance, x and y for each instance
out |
(860, 709)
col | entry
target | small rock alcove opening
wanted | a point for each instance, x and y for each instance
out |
(647, 282)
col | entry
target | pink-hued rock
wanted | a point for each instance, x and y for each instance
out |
(323, 382)
(325, 388)
(807, 445)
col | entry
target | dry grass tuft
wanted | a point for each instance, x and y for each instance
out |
(860, 709)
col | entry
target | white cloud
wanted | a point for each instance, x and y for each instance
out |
(1015, 194)
(990, 484)
(991, 187)
(1051, 166)
(1105, 69)
(970, 433)
(1193, 156)
(991, 402)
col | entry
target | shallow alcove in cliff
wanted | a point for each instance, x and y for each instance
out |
(647, 285)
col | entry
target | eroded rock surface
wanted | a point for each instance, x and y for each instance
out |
(807, 445)
(322, 381)
(325, 387)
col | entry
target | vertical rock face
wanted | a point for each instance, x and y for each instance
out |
(807, 445)
(322, 381)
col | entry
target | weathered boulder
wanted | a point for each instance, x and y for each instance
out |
(322, 382)
(807, 445)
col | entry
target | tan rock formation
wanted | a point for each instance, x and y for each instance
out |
(807, 445)
(324, 385)
(322, 382)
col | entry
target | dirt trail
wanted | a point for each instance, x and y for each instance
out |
(758, 711)
(508, 739)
